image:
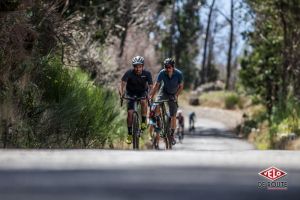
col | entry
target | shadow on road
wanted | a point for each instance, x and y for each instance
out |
(172, 183)
(211, 132)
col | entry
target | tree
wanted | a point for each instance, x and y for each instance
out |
(183, 32)
(272, 65)
(188, 29)
(203, 71)
(229, 57)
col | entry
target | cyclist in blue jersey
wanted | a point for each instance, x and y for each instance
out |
(169, 83)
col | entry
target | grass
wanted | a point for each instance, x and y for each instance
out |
(223, 99)
(274, 132)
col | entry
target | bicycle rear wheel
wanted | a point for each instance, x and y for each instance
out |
(135, 131)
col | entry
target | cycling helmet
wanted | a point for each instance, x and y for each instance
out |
(169, 61)
(179, 112)
(138, 60)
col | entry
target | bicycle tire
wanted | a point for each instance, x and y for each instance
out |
(135, 131)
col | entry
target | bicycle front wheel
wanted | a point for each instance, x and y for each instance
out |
(135, 131)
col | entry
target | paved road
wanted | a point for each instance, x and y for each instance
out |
(210, 164)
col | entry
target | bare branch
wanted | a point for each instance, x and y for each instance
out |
(227, 19)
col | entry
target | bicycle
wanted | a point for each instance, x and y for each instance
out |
(163, 121)
(136, 125)
(180, 133)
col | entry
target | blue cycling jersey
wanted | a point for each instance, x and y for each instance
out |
(169, 85)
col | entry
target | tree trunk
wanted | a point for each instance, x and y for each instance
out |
(203, 71)
(210, 58)
(229, 56)
(172, 30)
(284, 74)
(126, 26)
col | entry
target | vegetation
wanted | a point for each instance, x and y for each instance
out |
(179, 40)
(59, 61)
(63, 108)
(270, 69)
(223, 99)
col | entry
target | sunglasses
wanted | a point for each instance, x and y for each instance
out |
(138, 66)
(168, 67)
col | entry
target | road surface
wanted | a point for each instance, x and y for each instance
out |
(210, 164)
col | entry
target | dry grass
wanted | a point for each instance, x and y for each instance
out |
(294, 145)
(262, 138)
(217, 99)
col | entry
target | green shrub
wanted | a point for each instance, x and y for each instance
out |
(76, 113)
(255, 99)
(287, 118)
(231, 101)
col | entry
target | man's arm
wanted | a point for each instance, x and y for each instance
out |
(150, 89)
(180, 88)
(154, 90)
(123, 83)
(122, 88)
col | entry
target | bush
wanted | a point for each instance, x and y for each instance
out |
(231, 101)
(78, 112)
(287, 118)
(255, 99)
(61, 108)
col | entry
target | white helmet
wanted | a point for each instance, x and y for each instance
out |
(179, 111)
(137, 60)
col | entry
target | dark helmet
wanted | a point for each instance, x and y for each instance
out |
(138, 60)
(169, 61)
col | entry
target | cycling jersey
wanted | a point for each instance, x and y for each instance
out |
(169, 85)
(180, 120)
(137, 84)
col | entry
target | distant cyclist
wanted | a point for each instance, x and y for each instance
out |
(180, 125)
(169, 83)
(138, 82)
(192, 117)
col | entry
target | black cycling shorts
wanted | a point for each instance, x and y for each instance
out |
(173, 106)
(130, 103)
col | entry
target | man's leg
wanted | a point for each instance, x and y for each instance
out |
(173, 122)
(157, 113)
(173, 110)
(129, 120)
(144, 114)
(193, 125)
(130, 106)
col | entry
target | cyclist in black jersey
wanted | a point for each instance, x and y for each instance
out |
(138, 82)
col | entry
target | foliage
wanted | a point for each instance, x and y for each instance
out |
(287, 119)
(247, 127)
(64, 109)
(85, 113)
(270, 68)
(231, 101)
(179, 41)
